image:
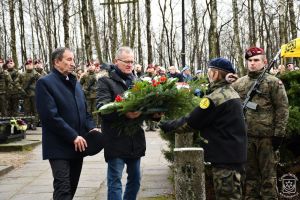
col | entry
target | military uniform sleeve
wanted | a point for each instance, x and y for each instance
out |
(280, 103)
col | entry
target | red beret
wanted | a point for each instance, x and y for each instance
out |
(253, 51)
(28, 62)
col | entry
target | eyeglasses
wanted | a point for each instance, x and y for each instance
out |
(128, 62)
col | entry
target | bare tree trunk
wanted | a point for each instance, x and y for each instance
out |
(13, 33)
(213, 33)
(87, 32)
(282, 26)
(132, 36)
(292, 20)
(165, 29)
(39, 34)
(22, 32)
(114, 39)
(140, 49)
(237, 45)
(105, 37)
(123, 31)
(56, 35)
(95, 30)
(47, 11)
(32, 27)
(251, 21)
(148, 30)
(66, 22)
(195, 31)
(4, 30)
(81, 48)
(267, 29)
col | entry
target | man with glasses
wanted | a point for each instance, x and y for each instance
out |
(121, 149)
(266, 126)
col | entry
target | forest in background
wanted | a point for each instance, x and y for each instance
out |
(94, 29)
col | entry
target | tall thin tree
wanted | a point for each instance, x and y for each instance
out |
(13, 46)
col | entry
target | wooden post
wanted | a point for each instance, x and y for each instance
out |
(184, 140)
(189, 174)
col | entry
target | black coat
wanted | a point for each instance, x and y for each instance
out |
(119, 144)
(62, 108)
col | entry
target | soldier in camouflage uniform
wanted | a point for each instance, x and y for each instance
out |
(89, 82)
(38, 66)
(28, 81)
(266, 127)
(14, 92)
(220, 120)
(5, 84)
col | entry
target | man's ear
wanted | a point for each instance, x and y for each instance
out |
(266, 61)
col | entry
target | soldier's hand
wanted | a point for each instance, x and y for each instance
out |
(80, 144)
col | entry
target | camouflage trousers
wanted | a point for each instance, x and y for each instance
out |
(261, 181)
(227, 184)
(3, 105)
(12, 104)
(91, 107)
(30, 109)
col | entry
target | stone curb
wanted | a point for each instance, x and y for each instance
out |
(25, 145)
(4, 169)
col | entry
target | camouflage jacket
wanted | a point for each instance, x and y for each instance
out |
(89, 84)
(28, 81)
(271, 116)
(42, 72)
(16, 86)
(5, 82)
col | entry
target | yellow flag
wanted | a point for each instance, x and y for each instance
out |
(291, 49)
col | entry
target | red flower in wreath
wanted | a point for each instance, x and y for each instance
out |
(118, 98)
(163, 79)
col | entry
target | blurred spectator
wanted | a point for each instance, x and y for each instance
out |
(186, 73)
(290, 66)
(138, 70)
(174, 74)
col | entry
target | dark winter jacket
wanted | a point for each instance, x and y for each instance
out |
(120, 144)
(62, 108)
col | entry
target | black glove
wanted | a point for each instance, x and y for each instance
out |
(168, 126)
(276, 142)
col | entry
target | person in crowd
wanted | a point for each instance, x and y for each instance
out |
(290, 66)
(219, 118)
(28, 81)
(39, 67)
(174, 74)
(265, 126)
(62, 108)
(138, 70)
(5, 85)
(122, 148)
(14, 93)
(186, 73)
(89, 85)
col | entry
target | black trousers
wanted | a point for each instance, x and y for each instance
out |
(66, 175)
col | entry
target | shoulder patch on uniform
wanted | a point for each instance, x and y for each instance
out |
(204, 103)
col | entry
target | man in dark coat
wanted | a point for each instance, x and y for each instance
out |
(62, 108)
(123, 147)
